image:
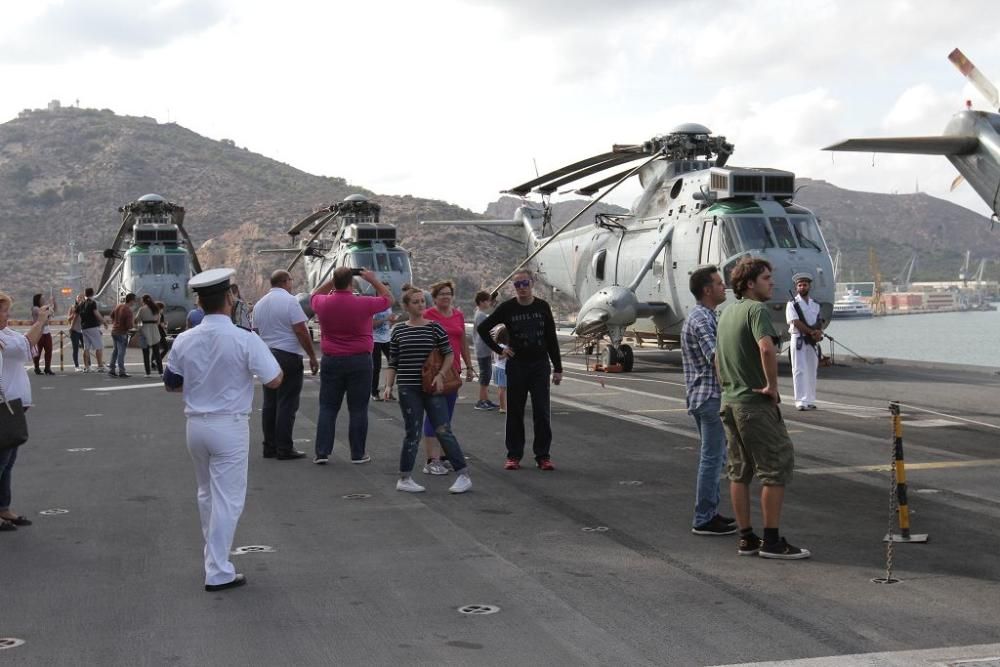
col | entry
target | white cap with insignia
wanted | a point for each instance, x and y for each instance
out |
(213, 280)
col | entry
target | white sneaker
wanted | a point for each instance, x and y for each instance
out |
(435, 467)
(462, 483)
(407, 484)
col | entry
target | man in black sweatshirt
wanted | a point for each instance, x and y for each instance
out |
(533, 343)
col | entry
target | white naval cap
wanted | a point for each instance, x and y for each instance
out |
(213, 280)
(802, 275)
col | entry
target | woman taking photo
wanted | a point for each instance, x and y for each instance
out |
(410, 345)
(45, 343)
(147, 320)
(453, 322)
(15, 350)
(76, 331)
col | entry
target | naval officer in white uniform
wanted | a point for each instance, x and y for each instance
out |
(214, 365)
(806, 330)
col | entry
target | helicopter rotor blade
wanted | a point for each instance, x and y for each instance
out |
(552, 186)
(178, 214)
(911, 145)
(957, 182)
(589, 190)
(525, 188)
(111, 276)
(316, 231)
(297, 228)
(123, 229)
(975, 77)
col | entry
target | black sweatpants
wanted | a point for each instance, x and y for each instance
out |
(528, 378)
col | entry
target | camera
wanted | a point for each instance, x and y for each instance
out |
(356, 272)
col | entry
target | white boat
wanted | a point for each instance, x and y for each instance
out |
(851, 305)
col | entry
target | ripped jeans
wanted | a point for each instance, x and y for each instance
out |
(413, 403)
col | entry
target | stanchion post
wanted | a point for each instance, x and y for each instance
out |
(62, 344)
(899, 477)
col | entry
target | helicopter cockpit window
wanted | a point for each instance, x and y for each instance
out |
(782, 232)
(362, 260)
(398, 261)
(176, 264)
(142, 264)
(382, 261)
(807, 232)
(744, 233)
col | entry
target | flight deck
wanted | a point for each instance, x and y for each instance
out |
(593, 564)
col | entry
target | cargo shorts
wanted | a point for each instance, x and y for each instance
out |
(757, 442)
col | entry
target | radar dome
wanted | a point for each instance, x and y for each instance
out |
(151, 197)
(355, 198)
(690, 128)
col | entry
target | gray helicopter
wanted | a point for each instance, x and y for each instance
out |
(971, 140)
(630, 272)
(348, 233)
(151, 254)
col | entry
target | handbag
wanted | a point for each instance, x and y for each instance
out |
(432, 366)
(13, 424)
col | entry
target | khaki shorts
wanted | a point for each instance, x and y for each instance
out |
(757, 442)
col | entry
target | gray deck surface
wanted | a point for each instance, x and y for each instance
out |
(118, 581)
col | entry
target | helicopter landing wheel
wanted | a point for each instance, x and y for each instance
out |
(609, 357)
(626, 358)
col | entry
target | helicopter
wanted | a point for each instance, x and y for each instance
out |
(971, 140)
(630, 272)
(348, 233)
(151, 254)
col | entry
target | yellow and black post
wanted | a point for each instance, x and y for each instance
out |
(900, 482)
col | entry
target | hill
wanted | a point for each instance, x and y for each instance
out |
(64, 173)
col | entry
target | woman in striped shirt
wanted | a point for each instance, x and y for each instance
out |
(410, 345)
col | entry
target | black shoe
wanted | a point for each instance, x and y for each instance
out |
(270, 455)
(749, 545)
(240, 580)
(714, 527)
(48, 371)
(288, 456)
(123, 374)
(38, 371)
(6, 526)
(725, 518)
(18, 521)
(783, 551)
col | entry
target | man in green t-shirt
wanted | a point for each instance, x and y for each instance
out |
(746, 358)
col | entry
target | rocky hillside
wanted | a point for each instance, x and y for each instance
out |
(64, 173)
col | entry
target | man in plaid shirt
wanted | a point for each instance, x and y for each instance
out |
(704, 398)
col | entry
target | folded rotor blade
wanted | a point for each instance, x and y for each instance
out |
(589, 190)
(305, 222)
(552, 186)
(982, 84)
(910, 145)
(957, 182)
(525, 188)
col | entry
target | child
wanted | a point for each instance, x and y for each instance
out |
(500, 366)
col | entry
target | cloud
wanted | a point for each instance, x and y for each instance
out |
(67, 30)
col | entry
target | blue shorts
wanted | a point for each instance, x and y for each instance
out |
(500, 377)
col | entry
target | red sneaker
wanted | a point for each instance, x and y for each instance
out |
(512, 464)
(546, 464)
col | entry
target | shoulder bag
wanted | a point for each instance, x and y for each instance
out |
(13, 425)
(432, 366)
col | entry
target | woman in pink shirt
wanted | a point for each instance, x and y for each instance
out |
(453, 322)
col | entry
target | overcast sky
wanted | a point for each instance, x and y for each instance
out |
(454, 99)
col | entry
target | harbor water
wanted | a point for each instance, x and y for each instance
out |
(971, 338)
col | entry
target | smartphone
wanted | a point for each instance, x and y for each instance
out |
(357, 272)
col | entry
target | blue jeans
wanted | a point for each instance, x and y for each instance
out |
(413, 403)
(118, 353)
(77, 339)
(339, 376)
(7, 458)
(712, 460)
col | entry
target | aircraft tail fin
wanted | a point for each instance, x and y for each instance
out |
(910, 145)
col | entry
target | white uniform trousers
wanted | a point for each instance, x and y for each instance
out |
(219, 446)
(804, 363)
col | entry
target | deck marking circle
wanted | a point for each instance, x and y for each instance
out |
(94, 415)
(54, 511)
(10, 642)
(478, 609)
(356, 496)
(80, 449)
(302, 440)
(631, 482)
(595, 529)
(253, 549)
